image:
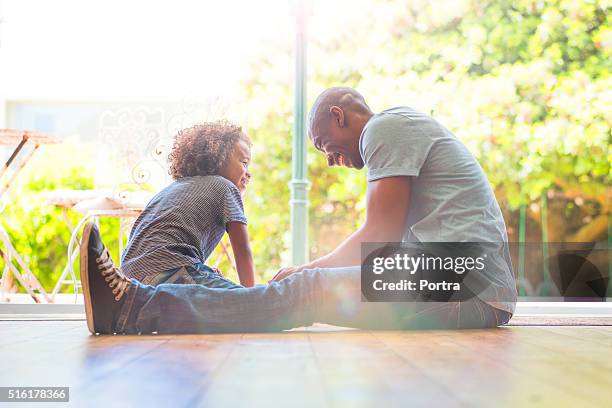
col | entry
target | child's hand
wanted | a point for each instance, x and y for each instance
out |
(217, 270)
(239, 238)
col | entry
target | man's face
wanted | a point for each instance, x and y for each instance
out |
(236, 169)
(340, 145)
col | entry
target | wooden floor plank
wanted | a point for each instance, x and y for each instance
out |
(606, 332)
(52, 361)
(265, 368)
(471, 378)
(318, 367)
(18, 332)
(358, 370)
(169, 373)
(567, 378)
(599, 335)
(572, 348)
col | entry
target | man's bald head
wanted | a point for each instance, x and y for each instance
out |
(335, 123)
(344, 97)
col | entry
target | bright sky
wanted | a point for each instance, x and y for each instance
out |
(131, 50)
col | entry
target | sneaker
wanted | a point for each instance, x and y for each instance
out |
(104, 286)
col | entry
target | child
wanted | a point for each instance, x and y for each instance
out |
(183, 223)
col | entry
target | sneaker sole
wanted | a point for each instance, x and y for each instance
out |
(85, 276)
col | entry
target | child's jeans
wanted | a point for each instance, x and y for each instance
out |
(198, 273)
(323, 295)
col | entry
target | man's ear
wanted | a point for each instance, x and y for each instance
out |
(338, 115)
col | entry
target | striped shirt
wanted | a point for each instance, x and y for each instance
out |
(181, 225)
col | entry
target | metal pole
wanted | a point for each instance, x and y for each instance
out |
(609, 249)
(299, 183)
(521, 256)
(546, 273)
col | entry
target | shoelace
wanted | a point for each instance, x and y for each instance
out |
(116, 281)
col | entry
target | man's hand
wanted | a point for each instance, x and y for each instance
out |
(284, 272)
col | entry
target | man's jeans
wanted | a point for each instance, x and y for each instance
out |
(197, 300)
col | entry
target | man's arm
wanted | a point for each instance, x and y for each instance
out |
(239, 238)
(388, 201)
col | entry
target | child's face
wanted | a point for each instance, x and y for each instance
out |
(236, 169)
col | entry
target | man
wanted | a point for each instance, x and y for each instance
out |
(423, 186)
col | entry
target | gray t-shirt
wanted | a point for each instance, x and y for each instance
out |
(451, 199)
(181, 225)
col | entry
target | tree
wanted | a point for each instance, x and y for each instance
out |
(524, 84)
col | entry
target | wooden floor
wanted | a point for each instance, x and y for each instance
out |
(319, 366)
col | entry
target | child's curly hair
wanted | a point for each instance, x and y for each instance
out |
(203, 149)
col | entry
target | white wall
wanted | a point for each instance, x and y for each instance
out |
(117, 50)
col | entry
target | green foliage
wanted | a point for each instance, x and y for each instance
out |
(38, 230)
(524, 83)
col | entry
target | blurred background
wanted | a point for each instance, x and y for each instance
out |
(525, 84)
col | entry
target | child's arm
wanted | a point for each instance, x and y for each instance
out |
(239, 238)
